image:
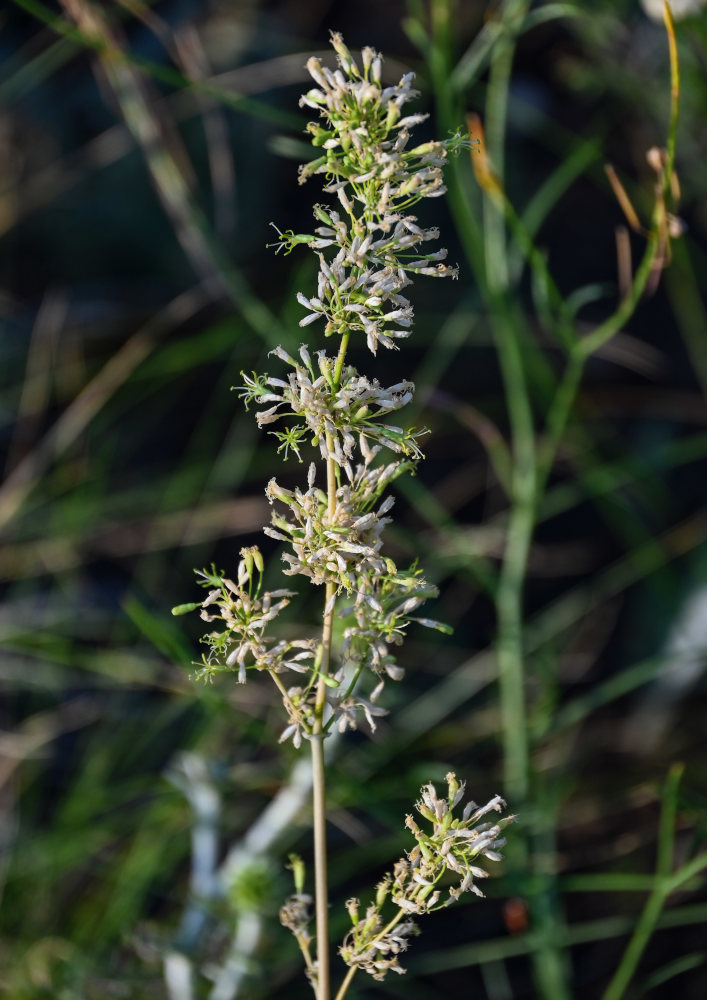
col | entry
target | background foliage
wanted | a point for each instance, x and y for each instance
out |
(145, 150)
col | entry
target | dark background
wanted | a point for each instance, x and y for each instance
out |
(135, 286)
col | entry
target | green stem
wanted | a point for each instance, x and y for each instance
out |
(343, 989)
(321, 887)
(321, 880)
(488, 255)
(509, 608)
(603, 333)
(339, 367)
(648, 920)
(304, 948)
(558, 417)
(287, 701)
(549, 971)
(674, 100)
(509, 599)
(487, 251)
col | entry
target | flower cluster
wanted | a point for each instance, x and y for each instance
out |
(371, 945)
(334, 416)
(245, 612)
(369, 249)
(454, 847)
(377, 180)
(336, 545)
(380, 615)
(365, 137)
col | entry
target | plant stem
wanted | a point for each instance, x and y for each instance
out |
(488, 253)
(304, 948)
(354, 968)
(338, 368)
(287, 701)
(526, 484)
(509, 606)
(654, 904)
(343, 989)
(321, 880)
(509, 599)
(321, 890)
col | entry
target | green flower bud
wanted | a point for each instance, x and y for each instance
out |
(297, 867)
(184, 609)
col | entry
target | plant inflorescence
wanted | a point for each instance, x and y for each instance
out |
(370, 248)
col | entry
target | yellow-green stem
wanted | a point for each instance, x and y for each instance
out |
(354, 968)
(287, 701)
(321, 881)
(321, 891)
(340, 359)
(304, 948)
(348, 979)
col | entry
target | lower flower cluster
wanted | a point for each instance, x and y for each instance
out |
(452, 847)
(372, 946)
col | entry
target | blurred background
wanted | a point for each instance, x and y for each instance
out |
(144, 149)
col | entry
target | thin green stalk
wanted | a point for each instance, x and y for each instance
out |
(674, 98)
(489, 249)
(648, 920)
(509, 597)
(558, 417)
(339, 367)
(597, 338)
(496, 112)
(319, 810)
(343, 989)
(287, 701)
(548, 964)
(321, 885)
(509, 608)
(304, 949)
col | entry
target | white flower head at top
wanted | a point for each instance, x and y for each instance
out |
(374, 241)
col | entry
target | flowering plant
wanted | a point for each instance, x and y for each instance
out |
(370, 248)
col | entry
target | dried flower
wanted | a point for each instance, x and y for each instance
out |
(296, 915)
